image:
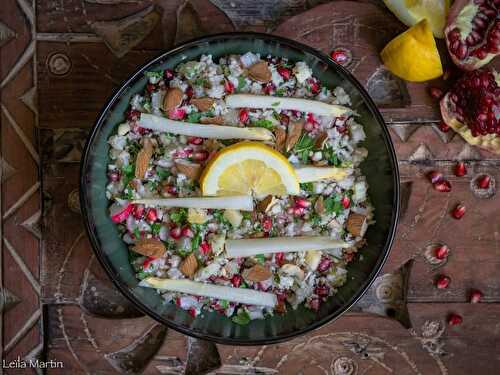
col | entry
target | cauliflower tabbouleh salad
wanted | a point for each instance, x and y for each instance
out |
(236, 186)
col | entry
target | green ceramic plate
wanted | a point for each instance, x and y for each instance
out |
(380, 169)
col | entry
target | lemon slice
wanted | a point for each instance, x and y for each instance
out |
(413, 55)
(411, 12)
(247, 168)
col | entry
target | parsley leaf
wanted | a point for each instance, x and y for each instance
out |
(315, 218)
(275, 104)
(194, 117)
(261, 258)
(162, 173)
(179, 216)
(242, 318)
(333, 205)
(137, 233)
(223, 303)
(196, 241)
(303, 147)
(241, 83)
(219, 216)
(155, 229)
(201, 82)
(158, 75)
(307, 186)
(330, 155)
(263, 123)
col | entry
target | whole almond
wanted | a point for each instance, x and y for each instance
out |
(257, 273)
(319, 206)
(190, 170)
(321, 140)
(260, 72)
(173, 98)
(217, 120)
(149, 247)
(280, 135)
(294, 133)
(356, 224)
(189, 265)
(142, 160)
(203, 104)
(265, 204)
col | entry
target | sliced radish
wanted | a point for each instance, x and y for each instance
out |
(278, 103)
(119, 211)
(163, 124)
(238, 295)
(239, 202)
(309, 174)
(254, 246)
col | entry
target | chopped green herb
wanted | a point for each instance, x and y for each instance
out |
(219, 216)
(179, 216)
(196, 241)
(195, 117)
(128, 194)
(201, 82)
(137, 233)
(162, 173)
(133, 149)
(155, 229)
(242, 318)
(261, 258)
(147, 106)
(129, 171)
(183, 252)
(280, 91)
(142, 275)
(246, 215)
(307, 186)
(241, 83)
(223, 303)
(330, 155)
(303, 147)
(275, 104)
(263, 123)
(333, 205)
(158, 75)
(152, 185)
(315, 219)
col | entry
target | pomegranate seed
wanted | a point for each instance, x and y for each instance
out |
(339, 56)
(302, 202)
(322, 290)
(133, 115)
(236, 281)
(279, 258)
(454, 319)
(195, 140)
(442, 252)
(346, 202)
(189, 92)
(168, 74)
(460, 169)
(284, 72)
(308, 127)
(435, 93)
(176, 233)
(324, 264)
(310, 118)
(151, 215)
(484, 182)
(192, 312)
(171, 189)
(284, 119)
(147, 262)
(443, 126)
(298, 211)
(228, 87)
(314, 85)
(200, 155)
(244, 116)
(267, 224)
(435, 176)
(269, 88)
(442, 282)
(114, 176)
(138, 211)
(458, 212)
(150, 87)
(443, 186)
(475, 296)
(176, 114)
(205, 248)
(314, 304)
(187, 232)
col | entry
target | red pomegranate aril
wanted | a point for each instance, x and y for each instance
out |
(168, 74)
(236, 281)
(228, 87)
(175, 232)
(346, 202)
(147, 262)
(435, 176)
(244, 116)
(170, 189)
(187, 232)
(458, 212)
(324, 264)
(205, 248)
(442, 252)
(200, 155)
(195, 140)
(189, 92)
(475, 296)
(443, 186)
(269, 88)
(444, 127)
(460, 169)
(484, 182)
(133, 115)
(442, 282)
(298, 211)
(314, 85)
(436, 93)
(267, 224)
(302, 202)
(284, 72)
(176, 114)
(151, 215)
(454, 319)
(114, 176)
(138, 211)
(279, 258)
(314, 304)
(150, 87)
(322, 290)
(308, 126)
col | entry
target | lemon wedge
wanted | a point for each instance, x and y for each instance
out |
(411, 12)
(413, 55)
(249, 168)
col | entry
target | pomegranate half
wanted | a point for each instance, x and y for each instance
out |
(473, 32)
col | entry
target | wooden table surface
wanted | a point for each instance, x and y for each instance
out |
(61, 59)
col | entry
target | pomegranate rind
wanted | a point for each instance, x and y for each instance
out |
(489, 142)
(464, 8)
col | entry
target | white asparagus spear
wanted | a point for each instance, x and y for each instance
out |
(238, 202)
(204, 131)
(278, 102)
(253, 246)
(309, 174)
(239, 295)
